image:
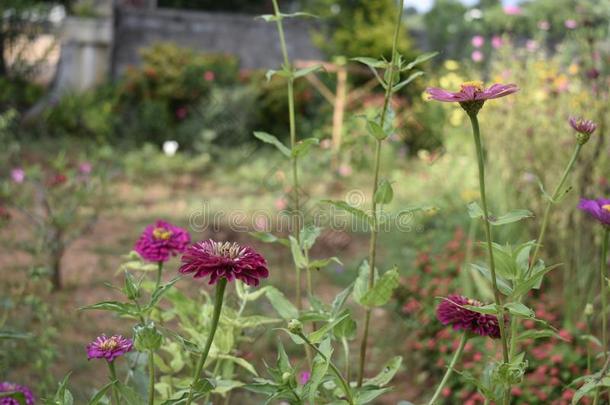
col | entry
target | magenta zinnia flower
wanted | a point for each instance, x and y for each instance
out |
(472, 91)
(224, 259)
(161, 240)
(598, 209)
(582, 125)
(10, 387)
(452, 311)
(109, 348)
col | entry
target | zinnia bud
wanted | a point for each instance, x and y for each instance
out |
(295, 326)
(584, 128)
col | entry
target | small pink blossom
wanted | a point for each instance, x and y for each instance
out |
(544, 25)
(531, 45)
(570, 24)
(512, 10)
(85, 168)
(209, 76)
(478, 41)
(477, 56)
(497, 42)
(304, 377)
(18, 175)
(281, 204)
(345, 170)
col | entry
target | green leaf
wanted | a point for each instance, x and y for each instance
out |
(297, 254)
(345, 329)
(279, 302)
(128, 395)
(318, 370)
(375, 130)
(372, 62)
(518, 309)
(270, 238)
(384, 193)
(340, 300)
(306, 71)
(240, 362)
(303, 147)
(536, 334)
(503, 285)
(160, 292)
(321, 263)
(100, 394)
(113, 306)
(533, 282)
(362, 281)
(475, 211)
(365, 395)
(253, 321)
(7, 334)
(506, 265)
(202, 388)
(308, 236)
(358, 213)
(420, 59)
(405, 82)
(511, 217)
(318, 335)
(382, 291)
(272, 140)
(63, 396)
(387, 373)
(489, 309)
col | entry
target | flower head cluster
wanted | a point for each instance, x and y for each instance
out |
(10, 387)
(452, 311)
(472, 95)
(109, 347)
(224, 260)
(583, 127)
(160, 241)
(598, 209)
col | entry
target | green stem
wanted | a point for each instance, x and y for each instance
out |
(159, 271)
(487, 226)
(604, 289)
(514, 327)
(115, 393)
(456, 357)
(334, 369)
(374, 219)
(220, 292)
(346, 355)
(151, 377)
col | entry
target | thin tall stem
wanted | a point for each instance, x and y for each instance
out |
(159, 272)
(220, 292)
(151, 377)
(487, 226)
(374, 219)
(604, 290)
(456, 357)
(115, 393)
(514, 326)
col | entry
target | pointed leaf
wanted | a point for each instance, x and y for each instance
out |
(272, 140)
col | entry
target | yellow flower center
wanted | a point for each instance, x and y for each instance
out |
(606, 207)
(478, 85)
(109, 344)
(161, 234)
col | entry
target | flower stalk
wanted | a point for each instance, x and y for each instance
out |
(151, 377)
(454, 360)
(377, 165)
(113, 377)
(220, 291)
(487, 226)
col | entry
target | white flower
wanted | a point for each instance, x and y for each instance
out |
(170, 148)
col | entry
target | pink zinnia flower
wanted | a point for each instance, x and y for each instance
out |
(160, 241)
(472, 96)
(599, 209)
(304, 377)
(11, 387)
(452, 311)
(224, 259)
(531, 45)
(85, 168)
(209, 76)
(570, 24)
(109, 348)
(512, 10)
(582, 125)
(496, 41)
(478, 41)
(18, 175)
(477, 56)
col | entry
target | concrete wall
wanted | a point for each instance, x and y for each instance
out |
(253, 41)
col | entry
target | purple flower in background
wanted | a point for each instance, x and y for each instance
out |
(11, 387)
(109, 348)
(161, 240)
(570, 24)
(478, 41)
(452, 311)
(598, 209)
(224, 259)
(472, 92)
(18, 175)
(477, 56)
(304, 376)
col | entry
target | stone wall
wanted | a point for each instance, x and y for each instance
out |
(252, 40)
